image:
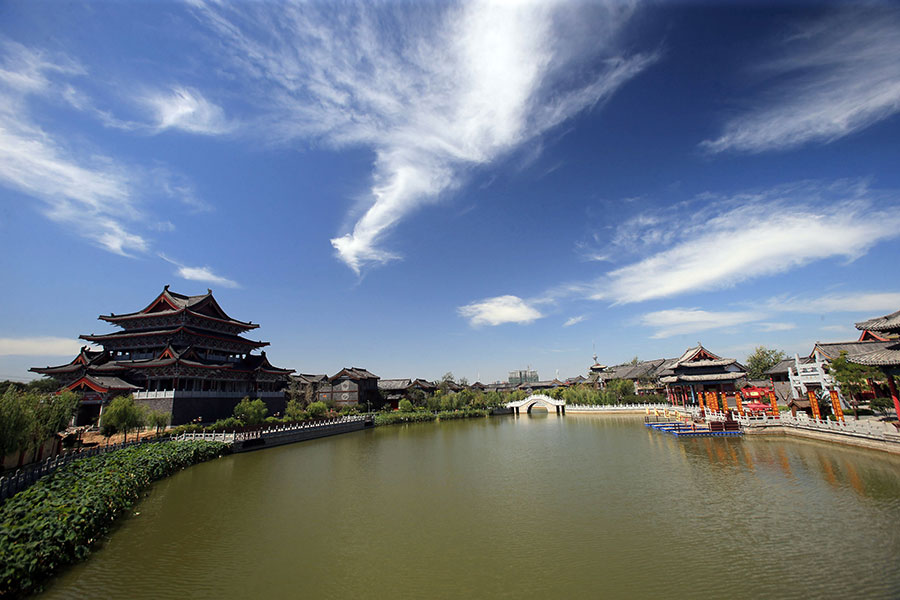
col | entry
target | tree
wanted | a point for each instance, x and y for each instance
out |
(52, 414)
(852, 378)
(250, 412)
(463, 381)
(159, 419)
(405, 406)
(620, 388)
(317, 409)
(44, 385)
(761, 360)
(882, 405)
(15, 421)
(122, 414)
(294, 412)
(635, 361)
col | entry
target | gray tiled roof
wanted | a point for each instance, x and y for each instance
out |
(887, 323)
(707, 377)
(882, 357)
(834, 349)
(393, 384)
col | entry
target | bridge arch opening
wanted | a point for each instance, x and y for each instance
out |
(551, 405)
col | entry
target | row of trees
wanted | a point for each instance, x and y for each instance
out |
(28, 418)
(122, 415)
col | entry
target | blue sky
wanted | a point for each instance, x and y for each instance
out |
(421, 188)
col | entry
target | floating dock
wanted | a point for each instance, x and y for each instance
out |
(691, 430)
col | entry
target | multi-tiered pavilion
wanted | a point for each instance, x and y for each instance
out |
(698, 371)
(180, 354)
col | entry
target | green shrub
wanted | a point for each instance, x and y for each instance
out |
(316, 409)
(405, 405)
(465, 413)
(58, 520)
(403, 417)
(882, 405)
(250, 412)
(229, 423)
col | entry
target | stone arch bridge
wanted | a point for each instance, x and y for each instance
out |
(533, 400)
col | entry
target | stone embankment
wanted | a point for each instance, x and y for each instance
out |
(874, 435)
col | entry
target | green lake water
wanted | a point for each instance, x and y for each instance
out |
(581, 506)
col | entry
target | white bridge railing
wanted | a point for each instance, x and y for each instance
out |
(242, 436)
(613, 407)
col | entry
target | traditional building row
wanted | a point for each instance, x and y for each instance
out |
(681, 379)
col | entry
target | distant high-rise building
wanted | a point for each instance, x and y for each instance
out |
(525, 376)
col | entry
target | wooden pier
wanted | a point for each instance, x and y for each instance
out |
(682, 429)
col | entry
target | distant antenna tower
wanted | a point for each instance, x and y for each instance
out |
(594, 346)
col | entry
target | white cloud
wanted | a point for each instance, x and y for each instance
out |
(204, 274)
(840, 76)
(39, 346)
(751, 235)
(433, 89)
(862, 302)
(574, 320)
(775, 326)
(678, 321)
(186, 109)
(90, 194)
(499, 310)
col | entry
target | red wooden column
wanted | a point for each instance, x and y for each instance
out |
(893, 387)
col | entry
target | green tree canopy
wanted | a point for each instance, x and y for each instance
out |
(122, 414)
(850, 376)
(294, 411)
(16, 420)
(317, 409)
(159, 419)
(761, 360)
(250, 412)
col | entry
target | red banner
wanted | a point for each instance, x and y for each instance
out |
(836, 405)
(814, 404)
(712, 401)
(774, 401)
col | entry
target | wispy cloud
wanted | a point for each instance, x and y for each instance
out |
(91, 194)
(186, 109)
(682, 321)
(39, 346)
(861, 302)
(678, 321)
(840, 75)
(776, 326)
(99, 197)
(499, 310)
(204, 274)
(434, 90)
(574, 320)
(750, 235)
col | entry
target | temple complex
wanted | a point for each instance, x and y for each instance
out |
(887, 358)
(181, 354)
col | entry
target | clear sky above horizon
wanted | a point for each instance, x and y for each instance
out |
(417, 188)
